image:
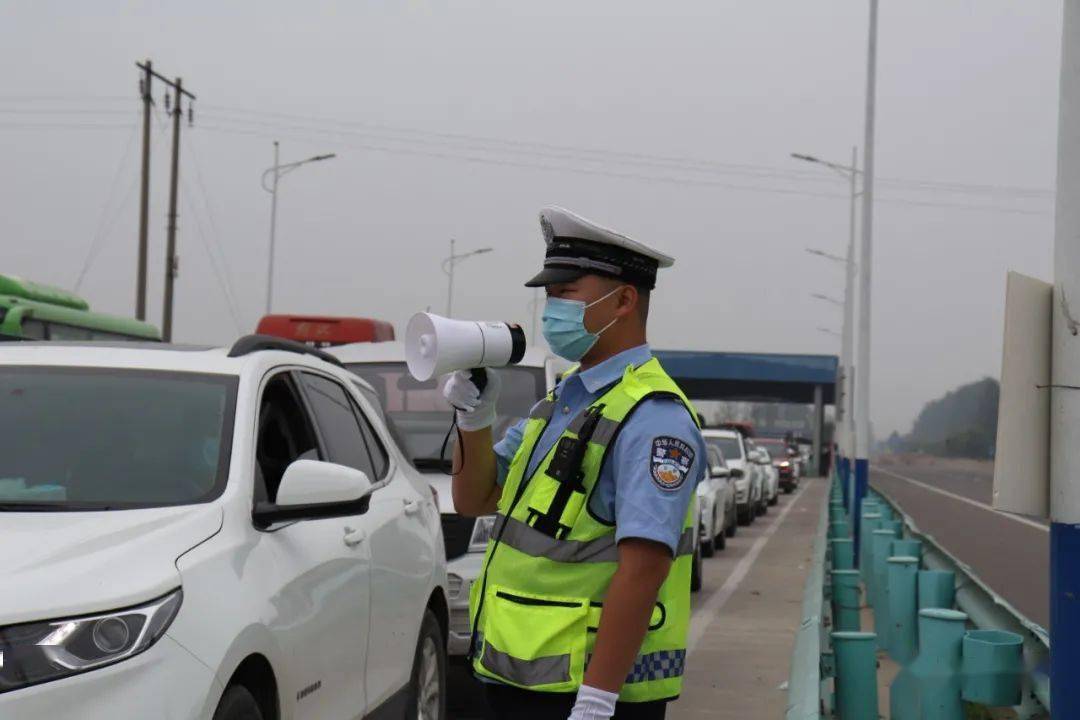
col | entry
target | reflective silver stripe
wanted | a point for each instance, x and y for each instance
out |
(605, 431)
(531, 541)
(583, 263)
(541, 671)
(686, 542)
(605, 428)
(543, 410)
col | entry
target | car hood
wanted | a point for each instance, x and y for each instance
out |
(58, 564)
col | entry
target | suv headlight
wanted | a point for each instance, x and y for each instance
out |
(38, 652)
(483, 529)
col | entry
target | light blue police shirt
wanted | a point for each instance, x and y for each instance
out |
(641, 502)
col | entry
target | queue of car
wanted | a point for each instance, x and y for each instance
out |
(298, 556)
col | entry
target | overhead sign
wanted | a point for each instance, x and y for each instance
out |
(1022, 458)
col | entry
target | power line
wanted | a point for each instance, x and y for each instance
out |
(105, 223)
(684, 181)
(221, 282)
(532, 147)
(215, 237)
(64, 125)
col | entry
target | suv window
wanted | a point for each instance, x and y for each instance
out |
(285, 435)
(339, 424)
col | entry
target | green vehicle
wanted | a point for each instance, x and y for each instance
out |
(32, 311)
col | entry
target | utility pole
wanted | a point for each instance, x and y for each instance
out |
(144, 196)
(866, 265)
(1064, 398)
(171, 263)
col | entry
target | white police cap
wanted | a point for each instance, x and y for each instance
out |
(577, 247)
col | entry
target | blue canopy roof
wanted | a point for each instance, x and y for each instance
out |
(751, 376)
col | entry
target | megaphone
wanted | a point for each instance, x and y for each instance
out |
(436, 345)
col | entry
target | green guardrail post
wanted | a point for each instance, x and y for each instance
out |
(903, 609)
(937, 589)
(843, 553)
(856, 675)
(839, 529)
(929, 688)
(879, 586)
(897, 526)
(993, 661)
(845, 600)
(907, 548)
(870, 523)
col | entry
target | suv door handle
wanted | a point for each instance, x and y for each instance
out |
(353, 537)
(413, 506)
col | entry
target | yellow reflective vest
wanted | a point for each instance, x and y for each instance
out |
(536, 607)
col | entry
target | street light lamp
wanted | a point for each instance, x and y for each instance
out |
(277, 172)
(448, 268)
(826, 298)
(827, 256)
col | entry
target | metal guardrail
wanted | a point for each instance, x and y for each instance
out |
(986, 609)
(809, 696)
(806, 688)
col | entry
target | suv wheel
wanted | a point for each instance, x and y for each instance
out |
(238, 704)
(708, 546)
(427, 689)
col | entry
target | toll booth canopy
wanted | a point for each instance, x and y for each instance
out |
(757, 377)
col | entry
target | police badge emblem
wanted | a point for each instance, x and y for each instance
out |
(670, 462)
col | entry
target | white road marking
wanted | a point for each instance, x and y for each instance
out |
(706, 613)
(974, 503)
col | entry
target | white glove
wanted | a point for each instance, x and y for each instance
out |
(593, 704)
(475, 409)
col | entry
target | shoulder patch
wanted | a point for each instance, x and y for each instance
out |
(669, 462)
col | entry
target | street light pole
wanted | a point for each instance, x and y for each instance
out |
(847, 345)
(448, 268)
(862, 382)
(450, 282)
(277, 172)
(846, 417)
(273, 230)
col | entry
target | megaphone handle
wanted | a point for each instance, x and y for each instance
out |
(479, 378)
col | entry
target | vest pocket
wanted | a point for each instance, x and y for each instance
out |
(534, 641)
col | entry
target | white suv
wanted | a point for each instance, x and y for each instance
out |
(197, 533)
(420, 418)
(744, 472)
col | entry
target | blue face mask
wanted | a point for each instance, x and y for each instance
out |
(564, 327)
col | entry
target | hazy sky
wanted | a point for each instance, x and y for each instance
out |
(671, 121)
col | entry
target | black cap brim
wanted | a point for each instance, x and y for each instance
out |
(552, 275)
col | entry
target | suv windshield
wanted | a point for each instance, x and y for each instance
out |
(421, 416)
(728, 446)
(776, 448)
(96, 439)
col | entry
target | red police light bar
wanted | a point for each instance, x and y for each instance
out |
(322, 330)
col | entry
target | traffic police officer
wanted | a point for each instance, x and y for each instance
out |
(583, 606)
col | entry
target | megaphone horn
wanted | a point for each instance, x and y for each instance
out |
(435, 345)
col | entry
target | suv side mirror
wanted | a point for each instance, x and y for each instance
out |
(737, 473)
(314, 490)
(719, 471)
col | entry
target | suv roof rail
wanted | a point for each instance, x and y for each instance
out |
(254, 343)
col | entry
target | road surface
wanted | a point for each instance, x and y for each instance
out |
(950, 500)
